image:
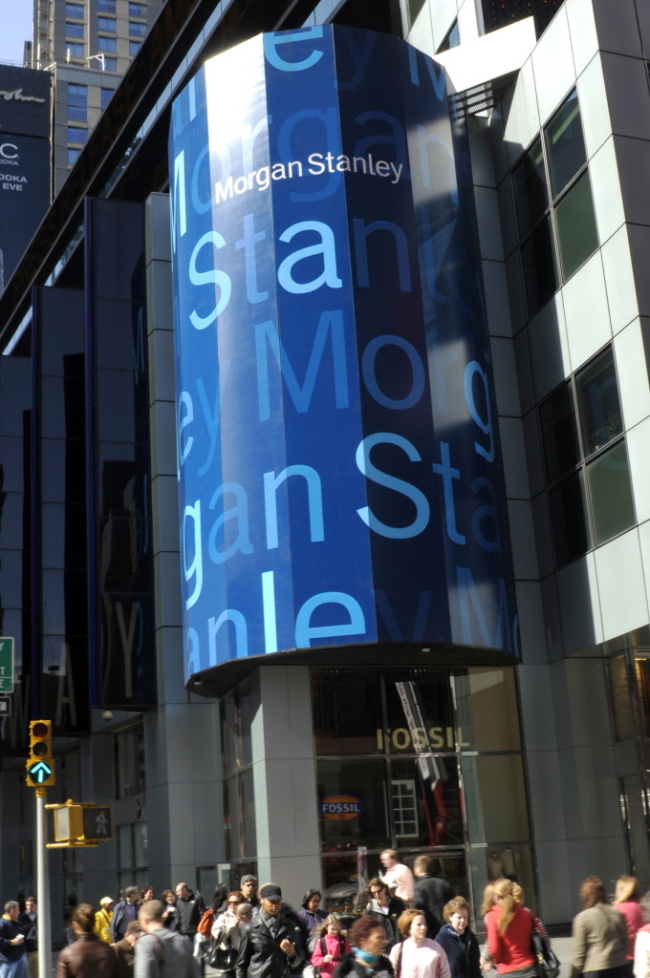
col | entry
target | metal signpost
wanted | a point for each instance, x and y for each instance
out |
(41, 775)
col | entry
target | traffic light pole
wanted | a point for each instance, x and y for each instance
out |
(43, 923)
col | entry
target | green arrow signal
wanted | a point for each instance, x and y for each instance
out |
(39, 772)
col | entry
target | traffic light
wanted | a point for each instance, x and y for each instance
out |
(80, 824)
(40, 763)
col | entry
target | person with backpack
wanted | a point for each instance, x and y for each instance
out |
(330, 946)
(161, 953)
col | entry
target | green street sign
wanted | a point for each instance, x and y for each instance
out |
(39, 772)
(6, 665)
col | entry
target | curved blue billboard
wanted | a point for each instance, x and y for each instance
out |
(339, 473)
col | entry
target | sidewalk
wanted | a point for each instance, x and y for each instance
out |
(563, 947)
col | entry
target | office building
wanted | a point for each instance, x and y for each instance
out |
(325, 511)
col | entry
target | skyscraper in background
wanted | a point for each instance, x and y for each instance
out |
(87, 45)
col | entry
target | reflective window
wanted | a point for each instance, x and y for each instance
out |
(137, 10)
(576, 225)
(137, 30)
(75, 50)
(74, 10)
(107, 24)
(106, 6)
(587, 469)
(134, 47)
(107, 44)
(565, 145)
(451, 40)
(554, 206)
(76, 135)
(106, 94)
(74, 30)
(78, 103)
(110, 64)
(73, 155)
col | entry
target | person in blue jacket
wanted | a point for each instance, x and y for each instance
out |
(459, 941)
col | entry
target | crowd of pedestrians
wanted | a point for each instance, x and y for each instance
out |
(411, 926)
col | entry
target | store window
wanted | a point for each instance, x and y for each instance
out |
(554, 206)
(418, 760)
(586, 463)
(237, 713)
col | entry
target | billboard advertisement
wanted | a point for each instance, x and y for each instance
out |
(339, 472)
(24, 160)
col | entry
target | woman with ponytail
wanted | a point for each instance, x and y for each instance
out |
(509, 930)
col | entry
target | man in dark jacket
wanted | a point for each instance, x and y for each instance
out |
(125, 911)
(27, 921)
(190, 907)
(431, 894)
(12, 943)
(270, 947)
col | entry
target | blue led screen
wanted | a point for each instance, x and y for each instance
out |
(339, 470)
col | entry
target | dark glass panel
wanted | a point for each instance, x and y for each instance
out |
(576, 226)
(531, 194)
(425, 694)
(565, 145)
(425, 802)
(612, 504)
(538, 263)
(352, 803)
(347, 711)
(568, 519)
(598, 403)
(559, 433)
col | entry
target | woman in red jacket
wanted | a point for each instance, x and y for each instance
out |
(509, 929)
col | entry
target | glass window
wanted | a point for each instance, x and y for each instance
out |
(129, 763)
(452, 39)
(426, 695)
(77, 102)
(106, 6)
(137, 10)
(567, 508)
(74, 10)
(620, 698)
(487, 779)
(538, 263)
(110, 64)
(565, 145)
(347, 711)
(576, 226)
(75, 50)
(486, 710)
(426, 805)
(73, 155)
(249, 832)
(600, 410)
(559, 433)
(352, 804)
(531, 194)
(106, 24)
(134, 47)
(137, 30)
(106, 94)
(414, 8)
(611, 493)
(76, 135)
(74, 30)
(107, 43)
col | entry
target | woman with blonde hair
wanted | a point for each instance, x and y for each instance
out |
(417, 956)
(330, 946)
(509, 929)
(626, 899)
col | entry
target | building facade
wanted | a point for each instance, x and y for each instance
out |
(520, 753)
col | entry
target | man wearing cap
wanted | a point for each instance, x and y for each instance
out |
(103, 919)
(271, 947)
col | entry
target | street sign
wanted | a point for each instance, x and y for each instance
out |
(5, 706)
(6, 665)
